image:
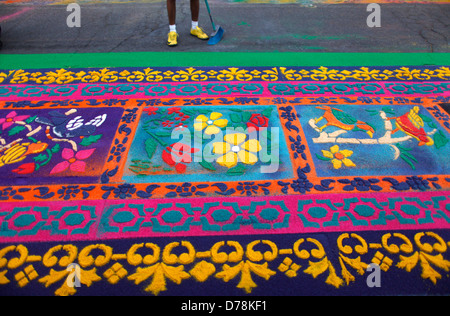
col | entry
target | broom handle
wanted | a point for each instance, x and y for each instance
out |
(209, 11)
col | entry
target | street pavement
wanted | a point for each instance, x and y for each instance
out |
(249, 27)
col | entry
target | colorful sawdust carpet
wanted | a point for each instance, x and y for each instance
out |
(225, 181)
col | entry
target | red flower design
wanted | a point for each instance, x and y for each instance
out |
(173, 110)
(151, 110)
(167, 124)
(182, 117)
(257, 122)
(180, 126)
(178, 155)
(25, 168)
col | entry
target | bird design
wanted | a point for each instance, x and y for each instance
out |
(64, 126)
(412, 124)
(340, 119)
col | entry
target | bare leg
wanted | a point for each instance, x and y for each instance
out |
(195, 9)
(172, 11)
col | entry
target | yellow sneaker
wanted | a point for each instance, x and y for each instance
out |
(198, 32)
(173, 39)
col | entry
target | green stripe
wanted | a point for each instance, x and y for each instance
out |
(174, 59)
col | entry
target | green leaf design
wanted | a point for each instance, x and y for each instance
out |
(406, 156)
(236, 118)
(204, 111)
(150, 147)
(55, 149)
(92, 139)
(188, 112)
(425, 118)
(267, 112)
(372, 112)
(322, 158)
(409, 162)
(240, 125)
(239, 170)
(246, 116)
(440, 140)
(162, 134)
(31, 119)
(431, 125)
(16, 130)
(40, 158)
(207, 165)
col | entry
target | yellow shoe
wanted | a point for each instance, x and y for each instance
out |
(173, 39)
(198, 32)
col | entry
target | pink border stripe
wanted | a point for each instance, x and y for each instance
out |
(93, 220)
(219, 89)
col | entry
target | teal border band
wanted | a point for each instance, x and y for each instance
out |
(211, 59)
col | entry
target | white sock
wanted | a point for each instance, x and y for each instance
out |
(194, 25)
(172, 28)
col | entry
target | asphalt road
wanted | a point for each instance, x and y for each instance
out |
(137, 27)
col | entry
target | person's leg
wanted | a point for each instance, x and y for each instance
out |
(172, 11)
(172, 14)
(195, 12)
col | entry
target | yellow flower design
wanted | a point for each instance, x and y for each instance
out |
(236, 149)
(210, 125)
(339, 157)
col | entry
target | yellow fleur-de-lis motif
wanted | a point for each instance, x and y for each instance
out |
(85, 260)
(233, 73)
(149, 75)
(290, 74)
(102, 75)
(59, 76)
(404, 73)
(316, 268)
(270, 75)
(246, 267)
(363, 74)
(355, 263)
(3, 76)
(425, 257)
(12, 262)
(190, 74)
(19, 76)
(323, 73)
(161, 271)
(442, 73)
(87, 277)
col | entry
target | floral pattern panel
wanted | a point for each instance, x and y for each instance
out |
(374, 140)
(205, 144)
(49, 146)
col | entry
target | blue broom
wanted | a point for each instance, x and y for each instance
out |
(217, 35)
